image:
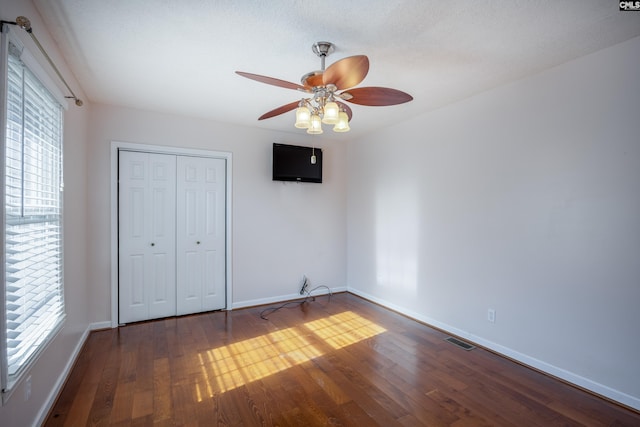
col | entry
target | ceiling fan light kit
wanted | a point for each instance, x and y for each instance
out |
(343, 123)
(327, 89)
(331, 111)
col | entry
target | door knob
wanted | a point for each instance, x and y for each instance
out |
(153, 244)
(198, 242)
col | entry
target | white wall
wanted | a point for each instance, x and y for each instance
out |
(280, 230)
(48, 373)
(524, 199)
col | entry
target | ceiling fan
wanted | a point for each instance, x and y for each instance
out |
(327, 88)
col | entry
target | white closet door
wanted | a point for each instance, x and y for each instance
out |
(147, 200)
(201, 276)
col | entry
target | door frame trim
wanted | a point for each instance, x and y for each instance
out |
(116, 146)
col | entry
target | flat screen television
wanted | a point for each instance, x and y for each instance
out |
(294, 163)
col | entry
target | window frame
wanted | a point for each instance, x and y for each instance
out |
(8, 383)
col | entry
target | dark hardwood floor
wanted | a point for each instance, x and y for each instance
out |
(346, 362)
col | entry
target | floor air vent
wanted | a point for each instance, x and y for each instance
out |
(463, 345)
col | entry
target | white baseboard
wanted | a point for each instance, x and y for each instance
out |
(100, 325)
(62, 378)
(570, 377)
(282, 298)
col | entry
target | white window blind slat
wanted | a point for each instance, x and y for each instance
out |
(34, 301)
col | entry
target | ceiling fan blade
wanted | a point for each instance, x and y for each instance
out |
(346, 109)
(271, 81)
(347, 72)
(279, 110)
(376, 96)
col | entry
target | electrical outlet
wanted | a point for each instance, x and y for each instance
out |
(27, 388)
(491, 315)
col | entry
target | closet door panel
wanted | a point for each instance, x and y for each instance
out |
(188, 264)
(215, 274)
(146, 236)
(215, 220)
(216, 188)
(135, 270)
(200, 238)
(190, 284)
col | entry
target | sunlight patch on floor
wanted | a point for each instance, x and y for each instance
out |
(344, 329)
(231, 366)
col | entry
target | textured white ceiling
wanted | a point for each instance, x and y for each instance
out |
(179, 56)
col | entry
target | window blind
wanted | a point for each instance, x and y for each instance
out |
(34, 302)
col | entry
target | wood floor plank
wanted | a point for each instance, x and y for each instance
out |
(87, 387)
(162, 406)
(371, 383)
(465, 416)
(183, 402)
(65, 400)
(122, 403)
(339, 361)
(78, 413)
(104, 396)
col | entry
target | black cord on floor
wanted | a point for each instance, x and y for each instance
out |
(290, 304)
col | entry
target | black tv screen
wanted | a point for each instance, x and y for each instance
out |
(294, 163)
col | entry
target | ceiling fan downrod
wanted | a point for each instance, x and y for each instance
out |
(322, 49)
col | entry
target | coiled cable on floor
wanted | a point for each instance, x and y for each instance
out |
(291, 304)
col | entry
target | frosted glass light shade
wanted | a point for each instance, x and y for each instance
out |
(303, 118)
(331, 112)
(343, 123)
(316, 125)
